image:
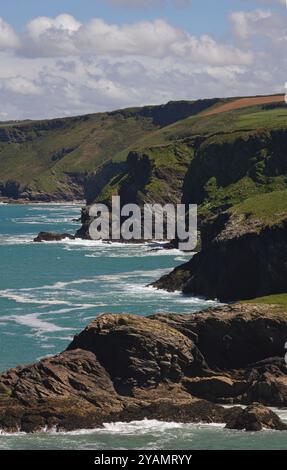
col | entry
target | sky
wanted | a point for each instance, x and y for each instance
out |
(70, 57)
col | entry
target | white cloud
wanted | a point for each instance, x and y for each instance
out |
(259, 23)
(51, 36)
(21, 85)
(65, 36)
(61, 66)
(8, 37)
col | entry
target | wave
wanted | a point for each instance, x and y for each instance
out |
(132, 428)
(16, 240)
(33, 321)
(42, 220)
(55, 208)
(25, 299)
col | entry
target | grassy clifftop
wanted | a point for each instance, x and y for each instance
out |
(50, 159)
(57, 159)
(216, 161)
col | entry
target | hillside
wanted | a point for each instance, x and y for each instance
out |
(215, 161)
(78, 157)
(50, 160)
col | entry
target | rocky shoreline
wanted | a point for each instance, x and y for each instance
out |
(169, 367)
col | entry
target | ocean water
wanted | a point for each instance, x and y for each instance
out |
(50, 291)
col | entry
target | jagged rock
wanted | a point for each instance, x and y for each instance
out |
(126, 367)
(216, 387)
(234, 336)
(255, 418)
(239, 259)
(147, 352)
(52, 237)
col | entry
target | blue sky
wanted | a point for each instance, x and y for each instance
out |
(197, 16)
(95, 55)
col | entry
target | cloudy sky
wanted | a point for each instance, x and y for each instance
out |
(68, 57)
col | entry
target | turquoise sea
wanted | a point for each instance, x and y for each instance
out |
(50, 291)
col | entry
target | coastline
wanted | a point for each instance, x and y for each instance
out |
(9, 201)
(168, 367)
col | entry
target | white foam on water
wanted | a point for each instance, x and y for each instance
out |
(17, 433)
(33, 321)
(133, 428)
(23, 298)
(74, 208)
(132, 274)
(139, 427)
(100, 243)
(281, 412)
(16, 240)
(131, 251)
(37, 220)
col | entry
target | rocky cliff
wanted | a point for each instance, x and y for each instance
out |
(168, 367)
(243, 254)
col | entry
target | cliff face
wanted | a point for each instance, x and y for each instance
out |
(239, 259)
(169, 367)
(155, 175)
(239, 182)
(230, 167)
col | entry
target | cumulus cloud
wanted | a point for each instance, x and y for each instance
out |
(8, 37)
(260, 23)
(61, 66)
(65, 36)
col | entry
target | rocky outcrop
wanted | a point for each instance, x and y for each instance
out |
(52, 237)
(255, 418)
(169, 367)
(239, 259)
(138, 180)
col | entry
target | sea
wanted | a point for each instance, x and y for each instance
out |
(51, 291)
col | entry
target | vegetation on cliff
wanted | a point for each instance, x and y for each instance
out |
(42, 160)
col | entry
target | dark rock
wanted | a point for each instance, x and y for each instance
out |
(239, 259)
(145, 350)
(235, 336)
(254, 418)
(125, 367)
(52, 237)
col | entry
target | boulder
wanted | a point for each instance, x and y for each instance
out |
(138, 352)
(52, 237)
(255, 418)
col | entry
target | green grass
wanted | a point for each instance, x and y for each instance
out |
(270, 208)
(40, 155)
(164, 184)
(278, 299)
(87, 143)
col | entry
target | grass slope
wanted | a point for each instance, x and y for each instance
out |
(215, 155)
(232, 156)
(49, 157)
(278, 299)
